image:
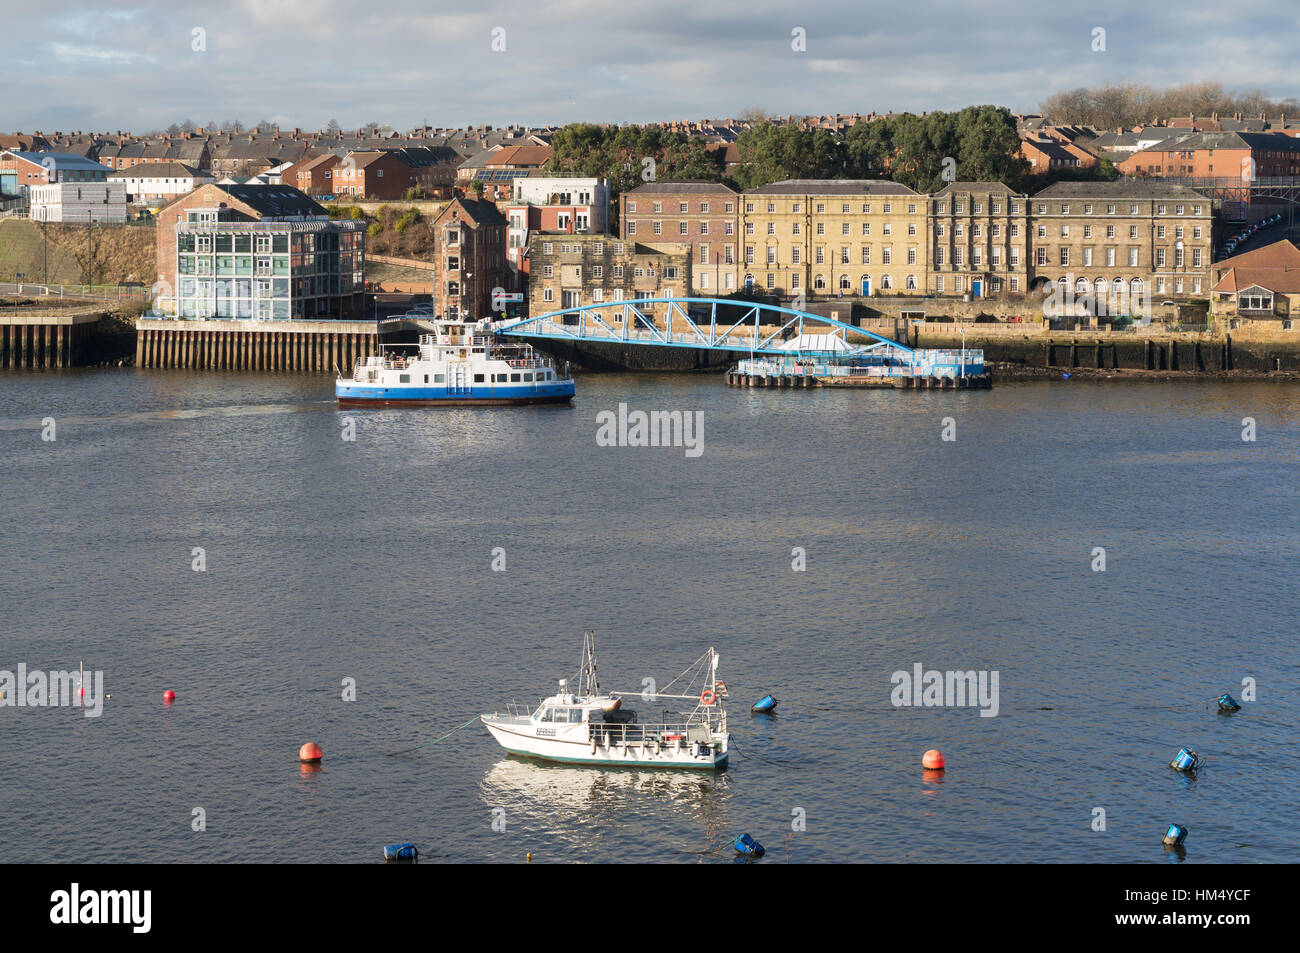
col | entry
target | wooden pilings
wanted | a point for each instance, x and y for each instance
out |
(299, 351)
(41, 346)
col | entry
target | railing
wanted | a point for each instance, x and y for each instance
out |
(634, 733)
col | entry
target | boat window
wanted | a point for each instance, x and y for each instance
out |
(478, 378)
(404, 378)
(426, 378)
(514, 378)
(528, 377)
(438, 378)
(546, 715)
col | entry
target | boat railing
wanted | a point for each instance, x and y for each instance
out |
(527, 363)
(635, 732)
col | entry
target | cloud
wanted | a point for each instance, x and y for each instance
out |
(403, 62)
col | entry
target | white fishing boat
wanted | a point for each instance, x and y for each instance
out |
(460, 364)
(580, 724)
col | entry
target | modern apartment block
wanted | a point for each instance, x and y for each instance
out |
(264, 252)
(570, 271)
(700, 214)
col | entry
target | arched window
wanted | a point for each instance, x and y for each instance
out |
(1081, 287)
(911, 282)
(845, 284)
(819, 283)
(1136, 286)
(1117, 286)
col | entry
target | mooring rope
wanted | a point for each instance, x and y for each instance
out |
(436, 740)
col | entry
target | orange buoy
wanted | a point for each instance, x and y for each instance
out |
(169, 696)
(932, 760)
(310, 753)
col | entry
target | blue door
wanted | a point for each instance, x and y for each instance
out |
(866, 287)
(975, 287)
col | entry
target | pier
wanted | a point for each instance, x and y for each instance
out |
(246, 345)
(45, 339)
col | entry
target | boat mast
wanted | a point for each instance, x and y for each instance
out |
(587, 683)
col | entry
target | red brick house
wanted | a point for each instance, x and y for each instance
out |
(704, 215)
(471, 258)
(372, 175)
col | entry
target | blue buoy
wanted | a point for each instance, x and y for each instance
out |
(747, 845)
(401, 852)
(765, 705)
(1228, 704)
(1175, 836)
(1185, 761)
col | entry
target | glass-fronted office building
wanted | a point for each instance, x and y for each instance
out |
(267, 270)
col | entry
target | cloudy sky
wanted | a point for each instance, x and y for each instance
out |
(143, 65)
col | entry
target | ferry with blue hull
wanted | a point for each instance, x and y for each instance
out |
(459, 365)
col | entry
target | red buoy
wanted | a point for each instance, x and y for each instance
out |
(310, 753)
(169, 696)
(932, 760)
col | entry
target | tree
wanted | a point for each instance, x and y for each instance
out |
(629, 155)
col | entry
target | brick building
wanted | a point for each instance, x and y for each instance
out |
(1112, 236)
(570, 271)
(978, 233)
(1260, 287)
(703, 215)
(834, 237)
(471, 259)
(372, 175)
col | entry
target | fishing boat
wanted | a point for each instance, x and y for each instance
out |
(459, 364)
(581, 724)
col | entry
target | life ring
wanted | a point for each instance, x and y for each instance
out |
(708, 696)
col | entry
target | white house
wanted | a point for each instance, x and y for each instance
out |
(159, 181)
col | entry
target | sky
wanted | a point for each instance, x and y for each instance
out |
(300, 63)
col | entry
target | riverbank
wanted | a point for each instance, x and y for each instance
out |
(1004, 372)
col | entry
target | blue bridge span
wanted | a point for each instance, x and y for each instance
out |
(765, 340)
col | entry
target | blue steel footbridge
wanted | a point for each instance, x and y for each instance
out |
(766, 340)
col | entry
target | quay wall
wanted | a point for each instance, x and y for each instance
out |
(1185, 352)
(294, 346)
(45, 340)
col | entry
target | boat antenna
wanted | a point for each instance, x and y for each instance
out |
(587, 682)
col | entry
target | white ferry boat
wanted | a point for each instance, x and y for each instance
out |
(588, 726)
(459, 364)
